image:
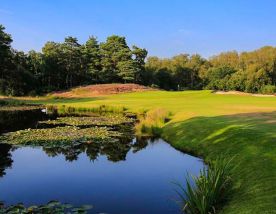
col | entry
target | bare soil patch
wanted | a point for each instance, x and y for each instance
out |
(243, 93)
(101, 90)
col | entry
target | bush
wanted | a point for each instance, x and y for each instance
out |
(204, 194)
(268, 89)
(152, 122)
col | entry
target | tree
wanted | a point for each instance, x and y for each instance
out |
(5, 58)
(5, 51)
(53, 75)
(218, 77)
(127, 70)
(195, 63)
(113, 51)
(92, 60)
(139, 60)
(71, 60)
(164, 80)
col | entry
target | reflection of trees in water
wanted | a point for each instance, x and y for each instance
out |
(5, 158)
(140, 144)
(21, 119)
(115, 149)
(71, 152)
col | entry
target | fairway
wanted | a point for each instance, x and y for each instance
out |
(211, 125)
(183, 105)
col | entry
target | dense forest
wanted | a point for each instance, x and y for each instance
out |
(64, 65)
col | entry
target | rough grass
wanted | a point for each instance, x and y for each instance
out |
(211, 126)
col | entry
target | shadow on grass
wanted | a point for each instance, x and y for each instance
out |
(251, 137)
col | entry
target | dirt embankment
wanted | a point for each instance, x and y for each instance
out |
(101, 89)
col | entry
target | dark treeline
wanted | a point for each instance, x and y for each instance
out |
(68, 64)
(64, 65)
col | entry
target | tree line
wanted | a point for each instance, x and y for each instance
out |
(67, 64)
(253, 72)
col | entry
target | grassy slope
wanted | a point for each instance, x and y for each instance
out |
(212, 125)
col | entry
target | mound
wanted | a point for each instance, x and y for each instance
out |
(101, 89)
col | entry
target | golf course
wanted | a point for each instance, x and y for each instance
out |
(137, 107)
(212, 125)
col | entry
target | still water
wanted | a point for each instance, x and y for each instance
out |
(138, 181)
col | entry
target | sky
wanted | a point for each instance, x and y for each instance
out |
(164, 27)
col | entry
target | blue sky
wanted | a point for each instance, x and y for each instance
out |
(164, 27)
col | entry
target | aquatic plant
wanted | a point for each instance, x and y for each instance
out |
(205, 194)
(109, 134)
(50, 207)
(58, 136)
(96, 120)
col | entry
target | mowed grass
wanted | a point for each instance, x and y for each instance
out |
(211, 126)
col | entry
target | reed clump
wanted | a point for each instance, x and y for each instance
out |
(206, 193)
(69, 110)
(151, 123)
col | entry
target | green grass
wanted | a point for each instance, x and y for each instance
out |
(211, 126)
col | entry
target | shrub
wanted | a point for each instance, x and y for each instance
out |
(151, 123)
(205, 193)
(52, 110)
(268, 89)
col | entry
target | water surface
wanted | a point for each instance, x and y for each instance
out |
(138, 180)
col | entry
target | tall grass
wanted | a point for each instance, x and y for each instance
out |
(69, 110)
(10, 102)
(206, 193)
(151, 122)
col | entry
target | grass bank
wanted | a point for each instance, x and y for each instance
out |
(212, 125)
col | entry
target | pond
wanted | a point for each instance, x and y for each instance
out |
(118, 177)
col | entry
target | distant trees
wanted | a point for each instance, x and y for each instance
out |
(248, 71)
(180, 72)
(69, 63)
(253, 72)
